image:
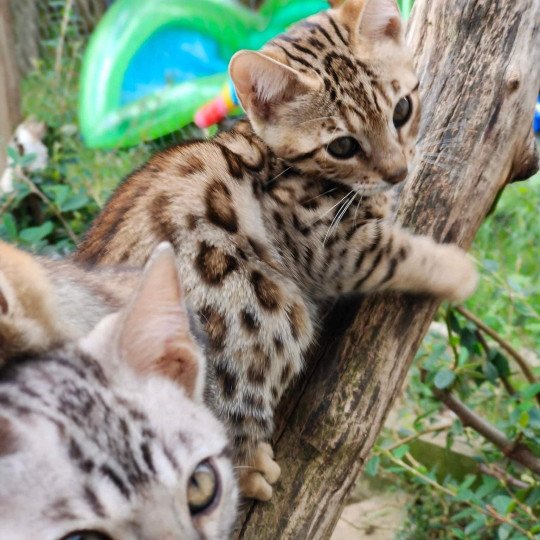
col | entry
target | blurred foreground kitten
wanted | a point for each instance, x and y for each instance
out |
(107, 438)
(286, 210)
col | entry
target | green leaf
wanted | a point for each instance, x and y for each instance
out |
(372, 466)
(469, 480)
(478, 523)
(75, 203)
(491, 372)
(504, 531)
(501, 503)
(58, 194)
(32, 235)
(400, 451)
(444, 378)
(13, 154)
(11, 226)
(27, 159)
(453, 321)
(531, 391)
(500, 362)
(489, 484)
(524, 419)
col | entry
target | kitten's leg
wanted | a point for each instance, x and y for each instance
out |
(389, 258)
(258, 475)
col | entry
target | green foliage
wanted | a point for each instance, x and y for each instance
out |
(461, 359)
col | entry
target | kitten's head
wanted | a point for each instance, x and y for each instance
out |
(336, 96)
(108, 438)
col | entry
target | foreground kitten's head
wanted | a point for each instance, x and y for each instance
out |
(108, 438)
(336, 95)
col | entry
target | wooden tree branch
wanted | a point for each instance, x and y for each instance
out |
(479, 64)
(516, 451)
(9, 83)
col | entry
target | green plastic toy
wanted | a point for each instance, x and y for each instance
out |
(150, 65)
(185, 43)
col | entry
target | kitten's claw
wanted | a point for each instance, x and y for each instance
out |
(256, 481)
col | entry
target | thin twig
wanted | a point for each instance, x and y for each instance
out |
(502, 476)
(61, 40)
(432, 429)
(514, 450)
(450, 340)
(519, 358)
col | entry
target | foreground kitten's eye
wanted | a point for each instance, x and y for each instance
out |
(343, 147)
(402, 112)
(202, 488)
(86, 535)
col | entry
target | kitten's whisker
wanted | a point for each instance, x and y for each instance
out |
(321, 195)
(334, 220)
(360, 199)
(330, 209)
(339, 216)
(277, 176)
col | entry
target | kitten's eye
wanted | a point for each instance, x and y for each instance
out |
(343, 147)
(203, 488)
(403, 111)
(86, 535)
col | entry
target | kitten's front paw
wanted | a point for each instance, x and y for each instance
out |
(257, 477)
(457, 277)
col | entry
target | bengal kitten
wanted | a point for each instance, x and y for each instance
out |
(287, 209)
(108, 438)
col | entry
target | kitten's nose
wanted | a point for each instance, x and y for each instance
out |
(397, 177)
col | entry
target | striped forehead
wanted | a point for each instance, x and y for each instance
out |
(321, 44)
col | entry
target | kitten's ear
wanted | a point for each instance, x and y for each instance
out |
(374, 19)
(263, 80)
(155, 334)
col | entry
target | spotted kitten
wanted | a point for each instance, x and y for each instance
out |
(287, 209)
(108, 438)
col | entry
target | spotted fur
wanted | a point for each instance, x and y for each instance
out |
(267, 224)
(104, 433)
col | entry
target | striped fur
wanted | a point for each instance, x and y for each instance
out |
(266, 223)
(97, 435)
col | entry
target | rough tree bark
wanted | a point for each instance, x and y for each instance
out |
(9, 82)
(479, 64)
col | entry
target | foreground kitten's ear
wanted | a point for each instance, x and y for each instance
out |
(262, 81)
(374, 19)
(155, 335)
